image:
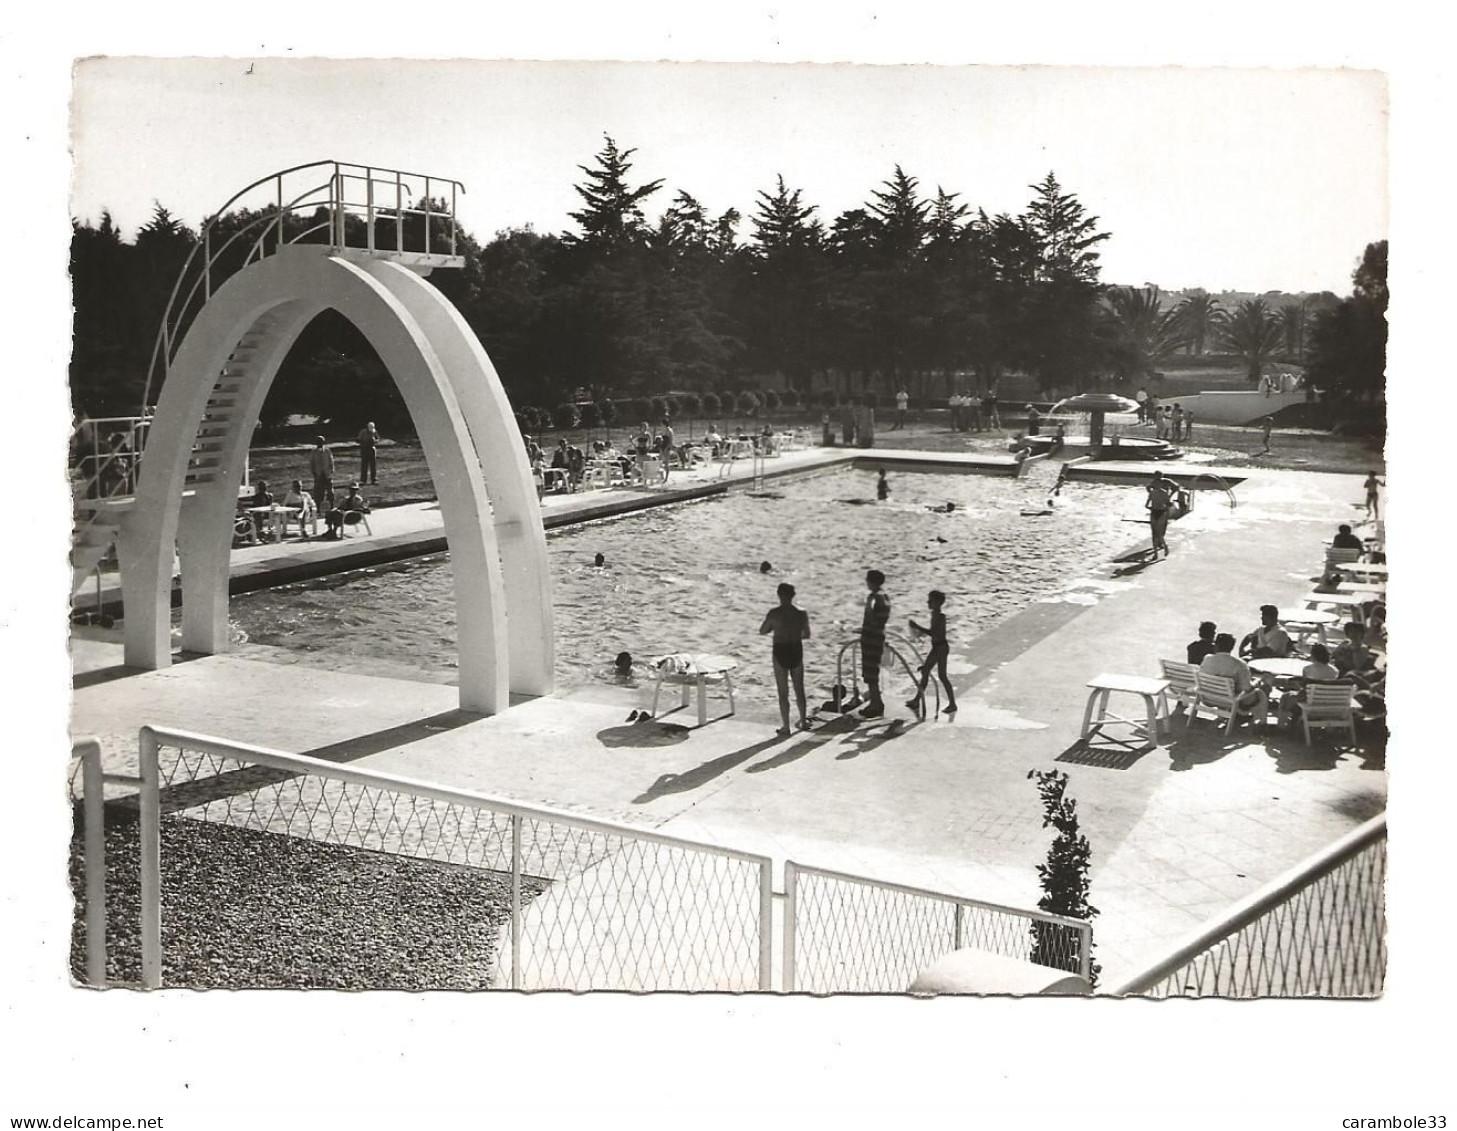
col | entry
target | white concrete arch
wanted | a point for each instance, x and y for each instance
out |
(520, 533)
(266, 305)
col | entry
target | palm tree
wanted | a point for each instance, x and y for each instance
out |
(1292, 326)
(1200, 314)
(1144, 334)
(1253, 334)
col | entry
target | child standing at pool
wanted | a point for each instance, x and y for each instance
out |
(790, 627)
(936, 658)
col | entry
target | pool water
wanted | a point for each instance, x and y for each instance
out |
(686, 577)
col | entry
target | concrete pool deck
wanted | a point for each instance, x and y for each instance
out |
(1177, 833)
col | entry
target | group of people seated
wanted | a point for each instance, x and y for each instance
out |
(1358, 660)
(764, 442)
(336, 512)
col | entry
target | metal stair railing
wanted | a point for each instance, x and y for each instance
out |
(1223, 485)
(109, 454)
(196, 278)
(894, 643)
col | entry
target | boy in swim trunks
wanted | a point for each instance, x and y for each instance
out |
(790, 627)
(937, 656)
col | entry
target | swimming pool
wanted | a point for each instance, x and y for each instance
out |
(686, 577)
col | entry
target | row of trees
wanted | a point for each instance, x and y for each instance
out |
(910, 290)
(1147, 333)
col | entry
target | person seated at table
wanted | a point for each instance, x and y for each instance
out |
(1269, 640)
(713, 440)
(1319, 670)
(1352, 657)
(1200, 648)
(1376, 626)
(307, 510)
(1345, 540)
(334, 517)
(1371, 700)
(1320, 667)
(1249, 699)
(261, 497)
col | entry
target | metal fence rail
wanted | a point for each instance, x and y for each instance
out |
(1317, 931)
(593, 905)
(851, 934)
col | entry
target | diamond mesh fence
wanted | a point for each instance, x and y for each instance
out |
(345, 878)
(854, 935)
(1326, 939)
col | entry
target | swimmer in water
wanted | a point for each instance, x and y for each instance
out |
(600, 560)
(765, 567)
(882, 486)
(945, 508)
(622, 665)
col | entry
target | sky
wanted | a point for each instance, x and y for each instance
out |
(1228, 178)
(1237, 198)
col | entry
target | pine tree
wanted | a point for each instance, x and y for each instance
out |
(613, 215)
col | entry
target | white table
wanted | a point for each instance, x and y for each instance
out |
(1151, 691)
(1340, 601)
(1303, 623)
(1278, 668)
(277, 517)
(704, 667)
(1364, 569)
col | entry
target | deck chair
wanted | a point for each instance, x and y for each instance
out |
(1182, 684)
(355, 518)
(653, 471)
(1216, 695)
(1325, 705)
(306, 521)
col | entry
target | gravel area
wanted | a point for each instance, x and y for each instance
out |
(244, 909)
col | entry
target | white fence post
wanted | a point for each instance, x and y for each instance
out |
(95, 818)
(791, 912)
(766, 925)
(515, 901)
(151, 861)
